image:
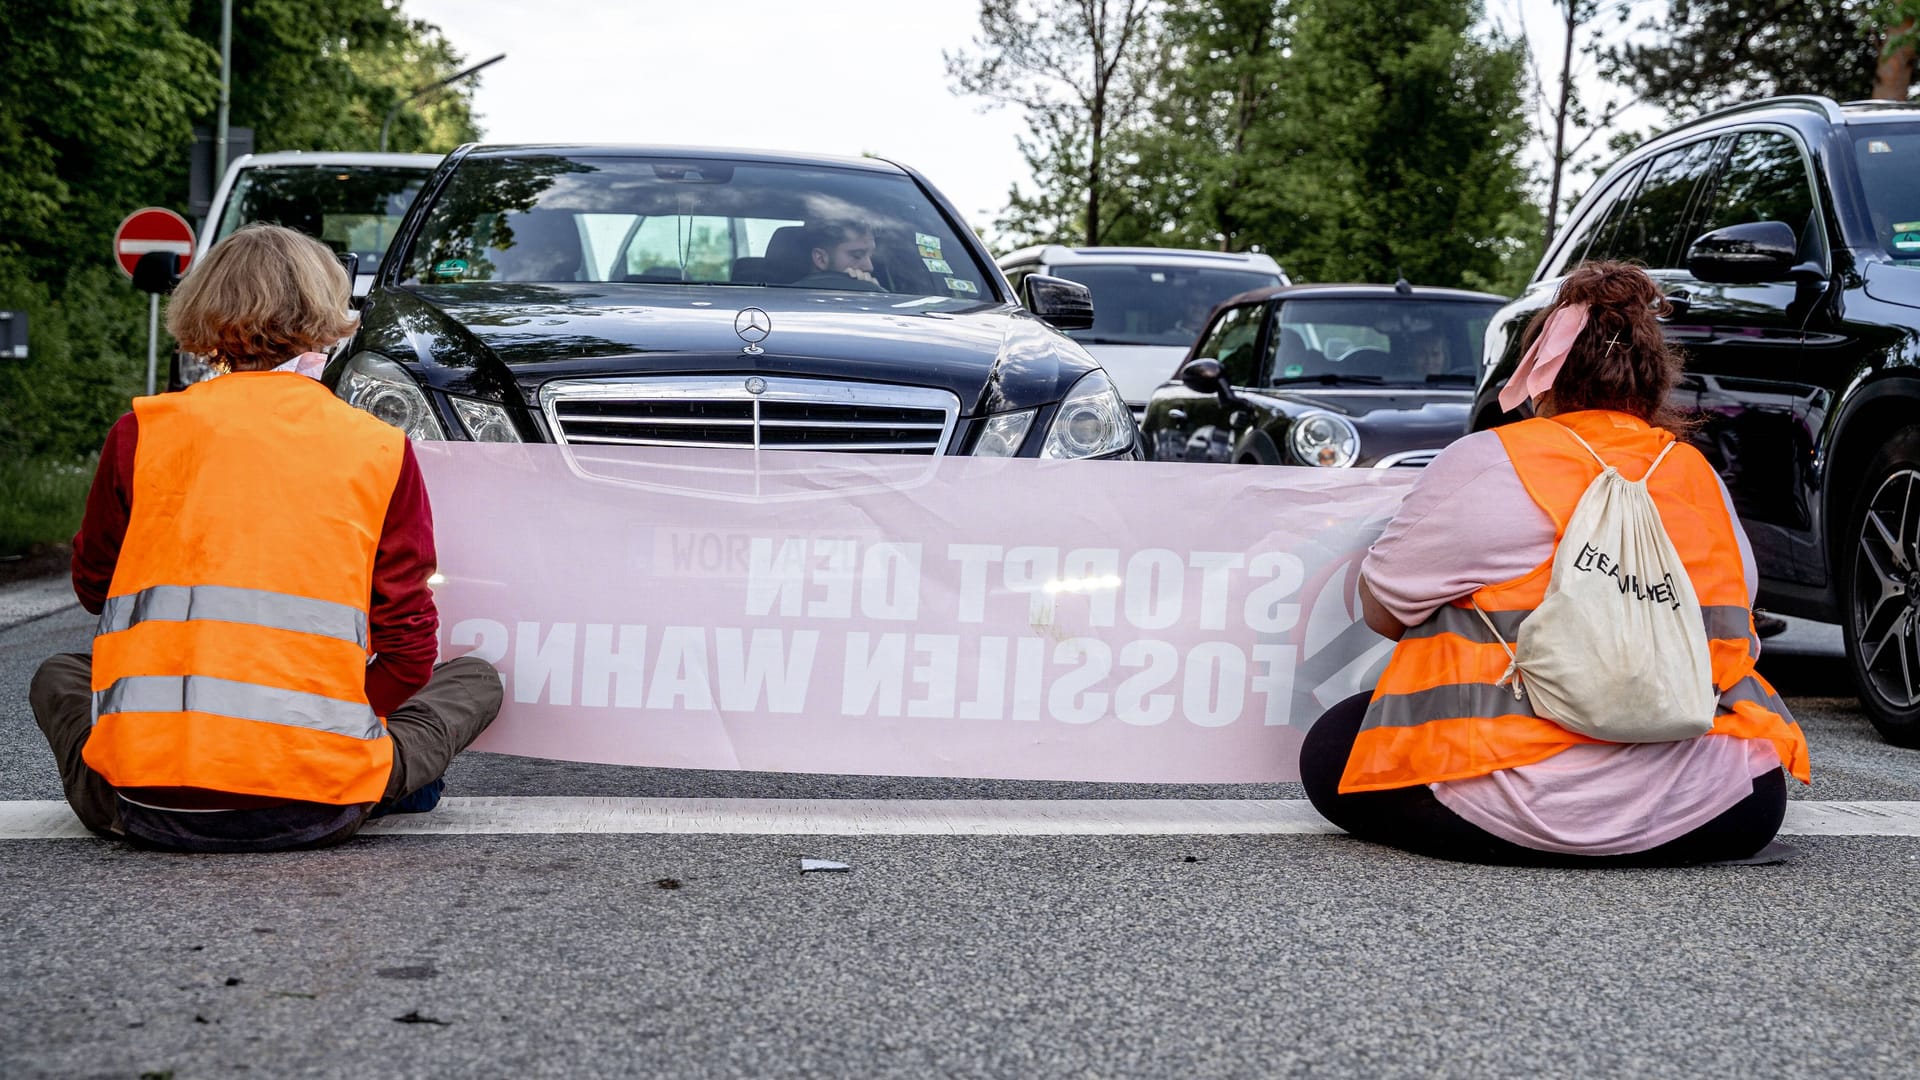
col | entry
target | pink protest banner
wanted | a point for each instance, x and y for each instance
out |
(836, 613)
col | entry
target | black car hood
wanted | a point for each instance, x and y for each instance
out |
(1390, 420)
(502, 340)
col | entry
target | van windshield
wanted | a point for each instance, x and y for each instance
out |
(349, 208)
(1887, 157)
(1155, 305)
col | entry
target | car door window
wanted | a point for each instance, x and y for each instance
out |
(1650, 229)
(1596, 227)
(1232, 340)
(1765, 179)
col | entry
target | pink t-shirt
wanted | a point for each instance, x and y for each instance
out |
(1590, 799)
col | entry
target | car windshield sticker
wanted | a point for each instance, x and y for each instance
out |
(929, 245)
(962, 285)
(1291, 370)
(1879, 146)
(1906, 236)
(450, 268)
(938, 266)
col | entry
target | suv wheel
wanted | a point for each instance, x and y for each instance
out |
(1881, 597)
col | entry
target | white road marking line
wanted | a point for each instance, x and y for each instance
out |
(528, 815)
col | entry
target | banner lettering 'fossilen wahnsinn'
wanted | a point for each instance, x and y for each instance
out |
(834, 613)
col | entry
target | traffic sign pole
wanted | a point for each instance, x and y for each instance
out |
(153, 338)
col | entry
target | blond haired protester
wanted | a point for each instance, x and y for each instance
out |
(1442, 758)
(262, 673)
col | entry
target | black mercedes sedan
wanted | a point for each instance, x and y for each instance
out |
(1329, 376)
(685, 297)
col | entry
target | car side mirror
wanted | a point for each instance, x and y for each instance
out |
(157, 272)
(1063, 304)
(1748, 254)
(1206, 376)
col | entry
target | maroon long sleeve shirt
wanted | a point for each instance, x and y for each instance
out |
(402, 622)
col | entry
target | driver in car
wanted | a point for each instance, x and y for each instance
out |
(842, 257)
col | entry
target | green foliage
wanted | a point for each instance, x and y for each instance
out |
(1075, 67)
(1353, 139)
(97, 121)
(1700, 55)
(88, 360)
(41, 500)
(321, 75)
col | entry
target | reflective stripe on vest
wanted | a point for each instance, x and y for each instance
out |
(239, 700)
(1724, 622)
(1438, 714)
(229, 603)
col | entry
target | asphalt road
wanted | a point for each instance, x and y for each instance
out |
(946, 956)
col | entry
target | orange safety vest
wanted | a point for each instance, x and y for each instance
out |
(1437, 713)
(231, 654)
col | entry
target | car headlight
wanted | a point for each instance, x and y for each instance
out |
(1325, 440)
(485, 421)
(1092, 421)
(379, 386)
(1003, 433)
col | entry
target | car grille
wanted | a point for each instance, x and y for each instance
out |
(722, 412)
(1407, 459)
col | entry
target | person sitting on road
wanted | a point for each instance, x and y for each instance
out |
(262, 674)
(841, 257)
(1442, 757)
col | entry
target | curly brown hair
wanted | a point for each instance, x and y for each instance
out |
(261, 297)
(1621, 360)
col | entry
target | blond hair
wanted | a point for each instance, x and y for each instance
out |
(261, 297)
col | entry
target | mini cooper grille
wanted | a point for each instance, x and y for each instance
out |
(722, 412)
(1407, 459)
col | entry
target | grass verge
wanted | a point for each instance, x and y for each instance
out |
(40, 502)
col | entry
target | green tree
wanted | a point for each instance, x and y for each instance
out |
(1352, 139)
(321, 75)
(102, 97)
(1075, 68)
(1699, 55)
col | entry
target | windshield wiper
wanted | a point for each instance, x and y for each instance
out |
(1462, 380)
(1328, 378)
(1111, 341)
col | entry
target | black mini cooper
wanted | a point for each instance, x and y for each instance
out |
(676, 297)
(1328, 376)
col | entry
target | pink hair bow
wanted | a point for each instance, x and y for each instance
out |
(1537, 369)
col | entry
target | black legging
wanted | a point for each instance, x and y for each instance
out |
(1412, 819)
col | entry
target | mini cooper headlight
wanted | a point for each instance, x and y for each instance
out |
(1324, 440)
(1092, 421)
(379, 386)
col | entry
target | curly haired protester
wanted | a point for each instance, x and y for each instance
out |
(262, 675)
(1453, 754)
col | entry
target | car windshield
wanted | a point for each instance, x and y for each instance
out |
(1155, 305)
(1888, 158)
(1385, 340)
(691, 222)
(350, 208)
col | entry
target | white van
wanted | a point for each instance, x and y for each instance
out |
(351, 202)
(1148, 303)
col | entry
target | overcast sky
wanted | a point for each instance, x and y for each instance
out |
(832, 76)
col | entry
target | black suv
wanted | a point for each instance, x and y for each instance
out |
(1786, 234)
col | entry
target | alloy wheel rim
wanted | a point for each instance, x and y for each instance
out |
(1886, 590)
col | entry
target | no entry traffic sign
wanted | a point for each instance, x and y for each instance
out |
(152, 229)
